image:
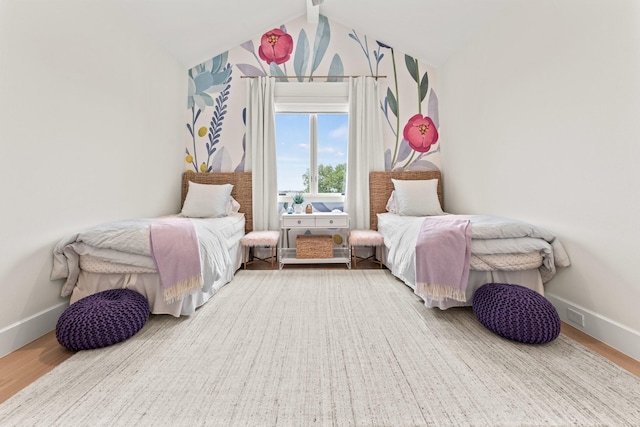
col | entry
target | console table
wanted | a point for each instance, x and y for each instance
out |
(313, 221)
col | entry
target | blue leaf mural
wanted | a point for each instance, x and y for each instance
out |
(422, 165)
(248, 46)
(331, 52)
(403, 151)
(301, 57)
(433, 108)
(250, 70)
(321, 42)
(220, 162)
(336, 69)
(203, 82)
(387, 159)
(277, 71)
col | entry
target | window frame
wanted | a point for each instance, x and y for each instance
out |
(312, 98)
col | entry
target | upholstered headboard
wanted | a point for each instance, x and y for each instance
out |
(381, 186)
(241, 191)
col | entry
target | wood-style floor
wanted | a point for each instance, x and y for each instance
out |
(27, 364)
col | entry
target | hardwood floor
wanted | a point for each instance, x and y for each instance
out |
(602, 349)
(27, 364)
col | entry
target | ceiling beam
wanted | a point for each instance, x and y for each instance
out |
(313, 11)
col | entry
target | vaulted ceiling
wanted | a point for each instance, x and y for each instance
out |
(196, 30)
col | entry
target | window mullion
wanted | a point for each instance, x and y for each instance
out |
(313, 141)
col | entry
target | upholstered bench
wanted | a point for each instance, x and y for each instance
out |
(102, 319)
(259, 238)
(516, 313)
(365, 238)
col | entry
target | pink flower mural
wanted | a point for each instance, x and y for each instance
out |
(275, 46)
(421, 133)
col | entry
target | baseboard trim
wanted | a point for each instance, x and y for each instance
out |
(610, 332)
(24, 331)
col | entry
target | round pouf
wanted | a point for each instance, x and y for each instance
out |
(102, 319)
(516, 313)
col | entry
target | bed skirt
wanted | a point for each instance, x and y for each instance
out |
(529, 278)
(148, 283)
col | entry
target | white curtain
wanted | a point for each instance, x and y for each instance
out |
(366, 148)
(261, 152)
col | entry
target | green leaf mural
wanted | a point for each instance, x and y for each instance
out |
(393, 104)
(424, 87)
(412, 67)
(423, 84)
(301, 57)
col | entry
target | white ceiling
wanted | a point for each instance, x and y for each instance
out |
(196, 30)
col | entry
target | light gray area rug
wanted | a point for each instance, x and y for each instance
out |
(327, 347)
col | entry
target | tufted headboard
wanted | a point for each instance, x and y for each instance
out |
(381, 186)
(242, 189)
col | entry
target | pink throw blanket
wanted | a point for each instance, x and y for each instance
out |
(175, 251)
(443, 251)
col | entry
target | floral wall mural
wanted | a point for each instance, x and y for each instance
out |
(298, 51)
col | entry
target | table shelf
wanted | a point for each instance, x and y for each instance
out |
(314, 221)
(340, 256)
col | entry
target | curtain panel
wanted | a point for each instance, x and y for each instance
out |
(261, 152)
(366, 148)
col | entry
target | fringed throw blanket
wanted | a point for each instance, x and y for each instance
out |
(175, 251)
(443, 251)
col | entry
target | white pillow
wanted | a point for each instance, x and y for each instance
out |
(417, 197)
(206, 200)
(233, 206)
(392, 206)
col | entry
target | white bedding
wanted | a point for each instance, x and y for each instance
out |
(126, 244)
(490, 236)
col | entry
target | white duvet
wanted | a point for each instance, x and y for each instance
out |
(127, 243)
(490, 235)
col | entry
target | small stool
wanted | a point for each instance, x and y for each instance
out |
(516, 313)
(259, 238)
(366, 238)
(102, 319)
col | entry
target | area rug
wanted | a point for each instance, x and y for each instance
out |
(332, 347)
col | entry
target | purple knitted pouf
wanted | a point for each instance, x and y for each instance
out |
(516, 313)
(102, 319)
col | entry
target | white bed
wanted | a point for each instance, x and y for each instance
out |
(88, 267)
(98, 275)
(529, 258)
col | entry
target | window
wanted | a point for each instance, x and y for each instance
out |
(311, 152)
(311, 139)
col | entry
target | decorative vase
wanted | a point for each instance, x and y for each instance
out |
(297, 208)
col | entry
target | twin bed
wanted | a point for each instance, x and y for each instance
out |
(117, 254)
(503, 250)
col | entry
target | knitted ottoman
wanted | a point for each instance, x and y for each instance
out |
(102, 319)
(516, 313)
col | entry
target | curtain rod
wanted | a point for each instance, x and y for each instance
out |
(311, 77)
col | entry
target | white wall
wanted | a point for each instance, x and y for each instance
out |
(540, 118)
(91, 130)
